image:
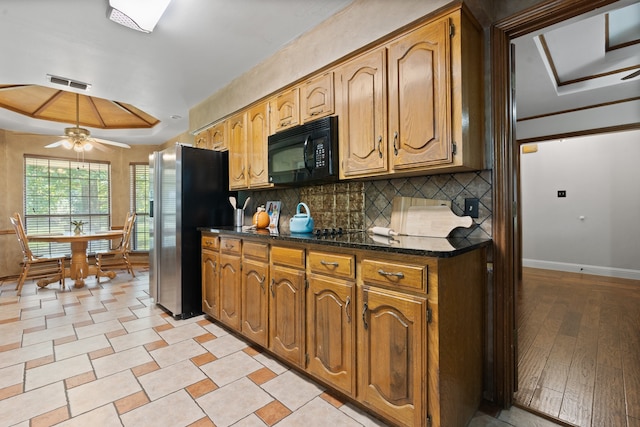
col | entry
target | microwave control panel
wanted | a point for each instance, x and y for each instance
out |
(321, 156)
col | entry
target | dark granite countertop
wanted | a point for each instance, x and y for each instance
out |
(410, 245)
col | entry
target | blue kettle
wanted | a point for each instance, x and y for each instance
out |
(301, 222)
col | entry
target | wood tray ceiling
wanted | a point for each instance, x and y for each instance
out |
(45, 103)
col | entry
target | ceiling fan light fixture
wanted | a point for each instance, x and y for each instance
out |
(87, 146)
(66, 144)
(139, 15)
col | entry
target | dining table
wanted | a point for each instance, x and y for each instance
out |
(79, 268)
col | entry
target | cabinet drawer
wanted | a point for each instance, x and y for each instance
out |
(256, 250)
(210, 242)
(337, 265)
(292, 257)
(230, 245)
(408, 276)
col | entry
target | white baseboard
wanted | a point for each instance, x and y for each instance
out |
(580, 268)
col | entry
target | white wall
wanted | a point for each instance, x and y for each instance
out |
(596, 228)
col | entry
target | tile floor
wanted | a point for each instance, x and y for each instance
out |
(104, 355)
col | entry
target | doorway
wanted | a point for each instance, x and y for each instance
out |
(577, 323)
(506, 228)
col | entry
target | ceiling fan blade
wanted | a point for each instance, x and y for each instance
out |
(114, 143)
(632, 75)
(99, 146)
(56, 144)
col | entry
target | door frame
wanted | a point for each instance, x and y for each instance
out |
(506, 179)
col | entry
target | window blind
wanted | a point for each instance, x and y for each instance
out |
(58, 191)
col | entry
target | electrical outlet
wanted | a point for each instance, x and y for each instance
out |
(562, 193)
(471, 207)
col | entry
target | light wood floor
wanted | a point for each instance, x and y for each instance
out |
(579, 347)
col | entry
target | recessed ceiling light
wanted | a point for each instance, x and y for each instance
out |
(175, 117)
(139, 15)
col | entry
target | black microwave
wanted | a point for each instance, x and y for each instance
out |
(305, 153)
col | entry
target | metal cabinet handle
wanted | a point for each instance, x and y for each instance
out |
(395, 140)
(262, 282)
(346, 309)
(380, 146)
(215, 266)
(364, 315)
(273, 281)
(315, 113)
(329, 263)
(399, 275)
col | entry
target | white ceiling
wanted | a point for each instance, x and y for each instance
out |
(199, 46)
(577, 51)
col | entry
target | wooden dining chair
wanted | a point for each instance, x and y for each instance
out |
(118, 256)
(36, 267)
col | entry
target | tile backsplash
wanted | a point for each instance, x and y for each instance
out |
(358, 205)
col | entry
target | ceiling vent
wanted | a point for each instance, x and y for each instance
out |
(68, 82)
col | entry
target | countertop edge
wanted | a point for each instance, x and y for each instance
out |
(409, 245)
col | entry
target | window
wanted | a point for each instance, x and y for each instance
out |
(58, 191)
(139, 179)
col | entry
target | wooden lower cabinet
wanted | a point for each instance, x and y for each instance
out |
(392, 354)
(286, 313)
(255, 301)
(211, 275)
(255, 295)
(210, 283)
(230, 283)
(401, 335)
(331, 332)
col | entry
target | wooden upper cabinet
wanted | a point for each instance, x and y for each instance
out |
(435, 119)
(201, 139)
(238, 176)
(286, 109)
(257, 155)
(419, 97)
(317, 98)
(363, 115)
(218, 136)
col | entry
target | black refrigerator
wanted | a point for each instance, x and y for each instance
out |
(189, 189)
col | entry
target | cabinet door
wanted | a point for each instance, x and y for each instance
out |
(201, 140)
(331, 332)
(210, 283)
(363, 141)
(255, 297)
(218, 136)
(392, 354)
(237, 152)
(286, 313)
(287, 109)
(420, 98)
(230, 290)
(317, 97)
(257, 134)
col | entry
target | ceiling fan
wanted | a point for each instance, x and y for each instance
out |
(80, 140)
